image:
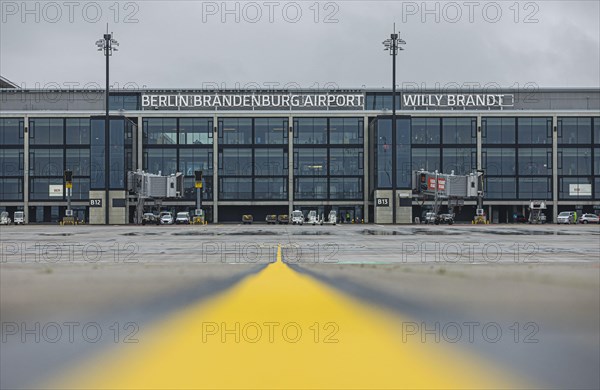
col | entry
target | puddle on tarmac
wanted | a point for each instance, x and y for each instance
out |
(195, 233)
(130, 234)
(315, 233)
(372, 232)
(436, 232)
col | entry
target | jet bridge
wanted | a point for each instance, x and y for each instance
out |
(150, 186)
(453, 189)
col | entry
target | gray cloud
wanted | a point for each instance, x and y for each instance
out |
(179, 45)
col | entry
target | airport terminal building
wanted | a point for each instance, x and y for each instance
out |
(273, 151)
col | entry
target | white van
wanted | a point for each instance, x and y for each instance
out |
(19, 218)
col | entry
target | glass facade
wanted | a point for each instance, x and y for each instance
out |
(253, 159)
(325, 167)
(110, 154)
(46, 157)
(444, 144)
(517, 153)
(328, 158)
(577, 155)
(183, 145)
(11, 158)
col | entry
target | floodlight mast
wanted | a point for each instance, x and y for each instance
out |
(394, 44)
(107, 44)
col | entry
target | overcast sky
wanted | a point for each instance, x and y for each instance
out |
(189, 44)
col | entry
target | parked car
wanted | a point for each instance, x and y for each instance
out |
(166, 218)
(271, 219)
(183, 217)
(429, 217)
(589, 218)
(19, 218)
(567, 217)
(150, 218)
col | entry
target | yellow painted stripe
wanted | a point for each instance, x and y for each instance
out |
(344, 344)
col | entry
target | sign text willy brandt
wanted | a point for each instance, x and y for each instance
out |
(458, 100)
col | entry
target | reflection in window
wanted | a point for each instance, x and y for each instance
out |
(191, 160)
(46, 131)
(81, 189)
(236, 162)
(46, 162)
(39, 188)
(499, 161)
(460, 160)
(426, 131)
(310, 188)
(384, 154)
(270, 189)
(575, 161)
(535, 188)
(535, 161)
(270, 131)
(427, 159)
(235, 188)
(459, 130)
(78, 161)
(346, 161)
(310, 162)
(535, 130)
(11, 131)
(11, 162)
(161, 160)
(574, 188)
(310, 131)
(195, 131)
(78, 131)
(347, 188)
(11, 189)
(574, 131)
(270, 162)
(403, 154)
(498, 130)
(500, 188)
(346, 131)
(235, 131)
(160, 131)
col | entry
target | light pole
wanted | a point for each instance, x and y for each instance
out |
(393, 45)
(107, 45)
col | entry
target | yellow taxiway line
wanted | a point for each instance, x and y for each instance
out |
(280, 329)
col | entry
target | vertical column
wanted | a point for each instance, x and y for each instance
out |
(290, 165)
(366, 169)
(140, 141)
(215, 169)
(554, 167)
(478, 132)
(26, 168)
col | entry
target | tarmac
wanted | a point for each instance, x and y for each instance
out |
(520, 299)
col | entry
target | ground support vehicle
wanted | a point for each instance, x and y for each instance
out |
(297, 217)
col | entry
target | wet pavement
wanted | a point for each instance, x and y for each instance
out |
(538, 283)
